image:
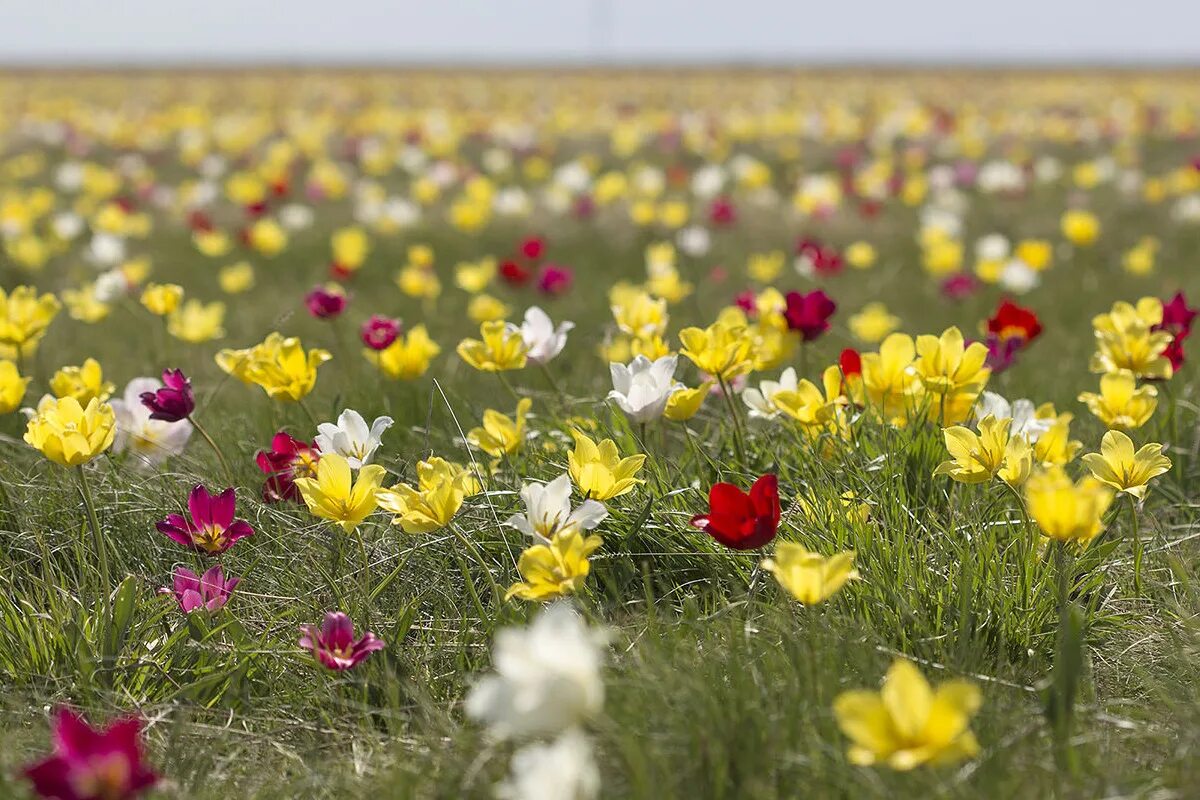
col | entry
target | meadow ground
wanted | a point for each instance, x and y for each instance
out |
(718, 684)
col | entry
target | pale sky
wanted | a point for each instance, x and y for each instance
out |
(402, 31)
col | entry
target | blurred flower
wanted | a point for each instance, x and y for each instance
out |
(92, 764)
(562, 770)
(809, 577)
(83, 382)
(333, 644)
(197, 322)
(1065, 511)
(643, 388)
(236, 278)
(873, 323)
(379, 332)
(173, 401)
(69, 434)
(211, 528)
(485, 308)
(1127, 338)
(740, 520)
(959, 286)
(12, 387)
(1081, 228)
(210, 591)
(909, 723)
(350, 438)
(324, 302)
(546, 680)
(287, 460)
(1118, 466)
(24, 318)
(336, 495)
(809, 313)
(150, 439)
(555, 279)
(161, 299)
(1012, 321)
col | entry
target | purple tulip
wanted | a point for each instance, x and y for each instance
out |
(379, 332)
(91, 764)
(809, 313)
(212, 528)
(334, 644)
(210, 591)
(174, 401)
(325, 301)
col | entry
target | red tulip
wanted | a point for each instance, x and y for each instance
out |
(739, 520)
(850, 362)
(809, 313)
(1177, 317)
(1012, 321)
(379, 332)
(514, 274)
(533, 247)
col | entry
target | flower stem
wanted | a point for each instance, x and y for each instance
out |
(1137, 546)
(562, 398)
(308, 412)
(738, 435)
(98, 543)
(212, 443)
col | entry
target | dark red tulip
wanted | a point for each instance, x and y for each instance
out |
(514, 274)
(740, 520)
(959, 286)
(324, 302)
(533, 247)
(1177, 317)
(174, 401)
(746, 302)
(722, 211)
(91, 764)
(809, 313)
(287, 460)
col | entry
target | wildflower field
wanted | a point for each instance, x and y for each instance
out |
(626, 434)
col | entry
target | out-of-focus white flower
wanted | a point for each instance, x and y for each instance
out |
(562, 770)
(496, 160)
(213, 166)
(69, 176)
(708, 181)
(351, 438)
(1024, 417)
(1187, 208)
(512, 201)
(1019, 277)
(547, 677)
(67, 225)
(1047, 169)
(993, 247)
(149, 441)
(542, 339)
(694, 240)
(1000, 177)
(548, 510)
(111, 285)
(105, 249)
(295, 216)
(761, 402)
(642, 387)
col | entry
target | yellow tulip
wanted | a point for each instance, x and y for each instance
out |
(70, 434)
(12, 387)
(279, 366)
(501, 348)
(556, 568)
(1081, 228)
(501, 435)
(809, 577)
(236, 278)
(161, 299)
(1118, 466)
(1065, 511)
(337, 496)
(889, 384)
(684, 403)
(1121, 405)
(24, 317)
(976, 458)
(909, 723)
(485, 308)
(1126, 340)
(721, 350)
(441, 488)
(599, 470)
(873, 323)
(408, 357)
(83, 382)
(197, 322)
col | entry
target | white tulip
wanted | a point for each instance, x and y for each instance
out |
(546, 680)
(350, 437)
(548, 510)
(1022, 412)
(149, 441)
(542, 340)
(761, 401)
(563, 770)
(642, 388)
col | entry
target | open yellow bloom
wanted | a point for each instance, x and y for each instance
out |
(1125, 339)
(637, 313)
(441, 488)
(70, 434)
(1018, 461)
(1055, 446)
(278, 365)
(406, 358)
(1081, 228)
(161, 299)
(598, 469)
(1124, 470)
(83, 382)
(952, 372)
(197, 322)
(809, 577)
(24, 317)
(501, 435)
(1121, 405)
(684, 403)
(12, 387)
(889, 383)
(976, 458)
(807, 405)
(1065, 511)
(502, 348)
(873, 323)
(337, 496)
(721, 350)
(556, 568)
(909, 723)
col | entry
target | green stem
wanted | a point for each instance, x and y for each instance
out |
(308, 411)
(211, 443)
(738, 435)
(1138, 551)
(562, 398)
(97, 542)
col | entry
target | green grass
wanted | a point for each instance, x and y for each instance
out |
(715, 690)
